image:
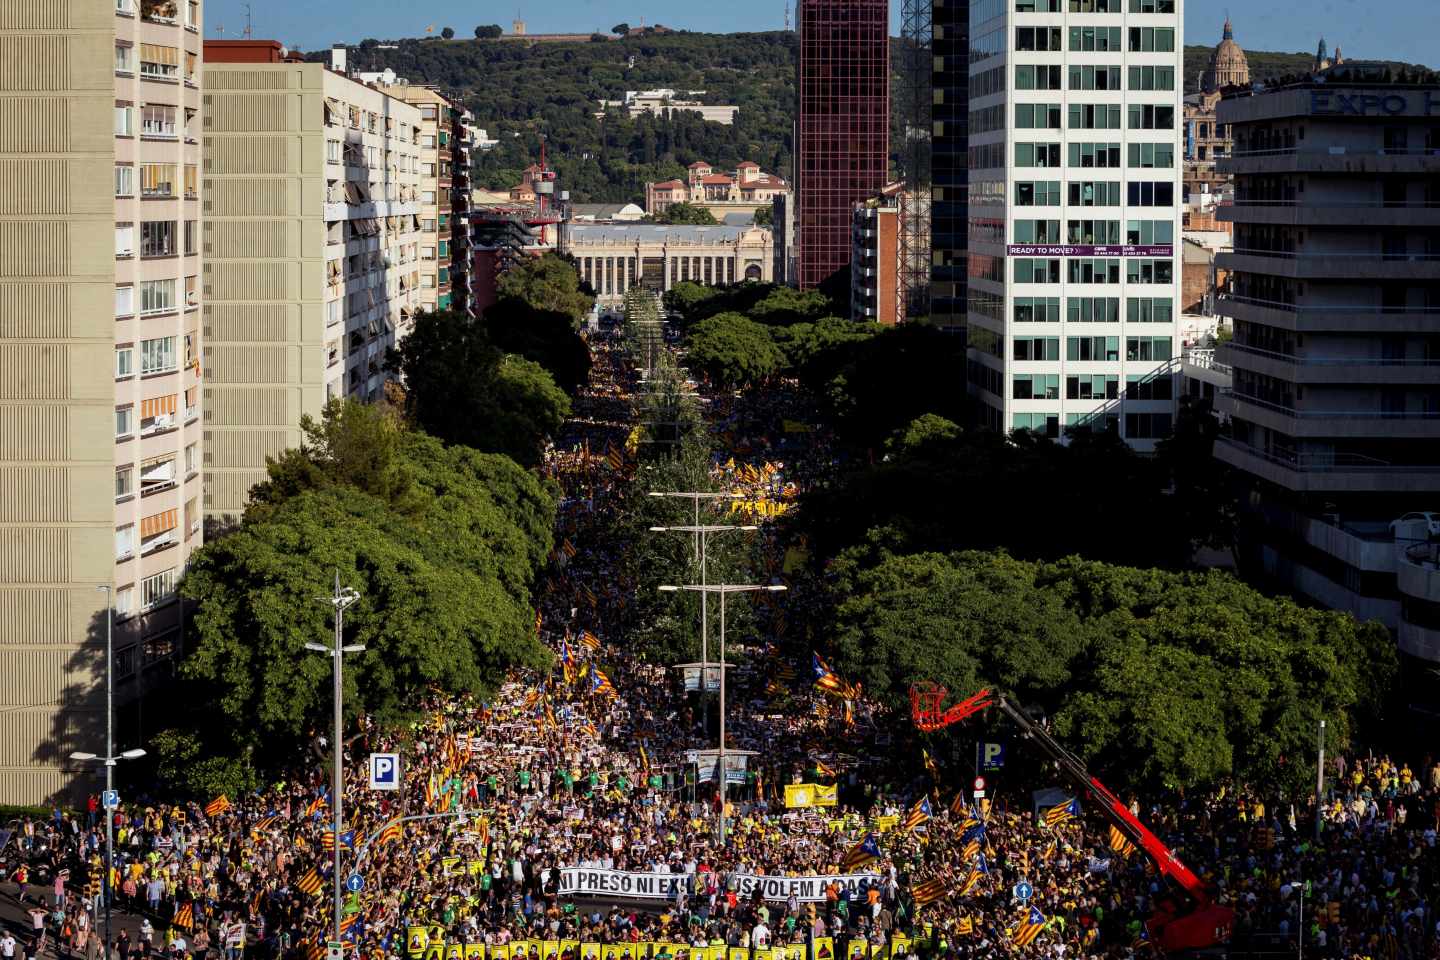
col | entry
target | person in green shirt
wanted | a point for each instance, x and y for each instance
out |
(522, 781)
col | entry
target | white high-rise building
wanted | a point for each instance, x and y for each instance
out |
(1074, 154)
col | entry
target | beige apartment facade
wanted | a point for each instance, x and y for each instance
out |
(312, 259)
(100, 411)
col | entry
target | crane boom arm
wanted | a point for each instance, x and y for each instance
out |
(1115, 811)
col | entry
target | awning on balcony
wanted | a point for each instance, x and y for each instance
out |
(157, 407)
(159, 523)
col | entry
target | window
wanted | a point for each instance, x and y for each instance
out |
(192, 181)
(125, 542)
(127, 7)
(191, 460)
(124, 180)
(1037, 38)
(1149, 387)
(1092, 386)
(1092, 348)
(1046, 424)
(124, 362)
(1037, 309)
(1094, 116)
(1037, 231)
(1037, 193)
(1030, 116)
(192, 14)
(1094, 6)
(1151, 116)
(1142, 426)
(157, 238)
(157, 355)
(157, 179)
(1152, 155)
(124, 602)
(1094, 155)
(157, 589)
(1149, 310)
(124, 121)
(1035, 386)
(1151, 193)
(1029, 270)
(1094, 78)
(1037, 77)
(1152, 6)
(158, 120)
(157, 473)
(124, 422)
(1092, 310)
(1149, 271)
(1037, 155)
(124, 481)
(157, 296)
(1092, 232)
(1149, 232)
(1152, 39)
(1094, 270)
(124, 239)
(158, 61)
(124, 58)
(1148, 348)
(1096, 39)
(1094, 193)
(1036, 348)
(124, 301)
(1153, 78)
(190, 234)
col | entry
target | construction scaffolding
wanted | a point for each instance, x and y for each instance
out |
(912, 299)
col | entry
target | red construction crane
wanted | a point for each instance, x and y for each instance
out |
(1187, 920)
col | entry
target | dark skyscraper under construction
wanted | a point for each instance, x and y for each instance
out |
(843, 130)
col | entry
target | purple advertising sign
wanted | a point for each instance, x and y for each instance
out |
(1073, 250)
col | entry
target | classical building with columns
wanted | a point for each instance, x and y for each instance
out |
(616, 257)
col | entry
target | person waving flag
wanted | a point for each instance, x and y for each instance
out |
(1025, 932)
(919, 814)
(1063, 812)
(864, 852)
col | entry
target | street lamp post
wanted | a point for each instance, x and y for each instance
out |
(724, 589)
(1300, 922)
(109, 758)
(702, 532)
(340, 599)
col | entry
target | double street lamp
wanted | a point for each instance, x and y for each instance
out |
(724, 589)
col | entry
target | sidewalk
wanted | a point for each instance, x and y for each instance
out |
(15, 917)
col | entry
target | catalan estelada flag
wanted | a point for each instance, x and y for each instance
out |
(184, 917)
(263, 824)
(1025, 932)
(866, 851)
(347, 922)
(919, 814)
(1063, 812)
(1120, 843)
(588, 640)
(977, 873)
(600, 684)
(310, 883)
(827, 680)
(390, 834)
(315, 805)
(217, 806)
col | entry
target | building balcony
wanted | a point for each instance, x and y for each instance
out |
(1339, 318)
(1348, 161)
(1338, 424)
(1327, 473)
(1374, 214)
(1304, 368)
(1418, 572)
(1338, 265)
(365, 211)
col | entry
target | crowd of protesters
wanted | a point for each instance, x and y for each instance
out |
(586, 767)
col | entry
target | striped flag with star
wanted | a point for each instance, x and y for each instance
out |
(919, 814)
(977, 873)
(929, 891)
(1025, 932)
(217, 806)
(866, 851)
(1063, 812)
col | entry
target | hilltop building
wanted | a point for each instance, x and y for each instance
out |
(613, 258)
(1206, 138)
(663, 102)
(746, 189)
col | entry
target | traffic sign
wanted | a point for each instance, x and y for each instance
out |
(992, 756)
(110, 799)
(1023, 891)
(355, 883)
(979, 783)
(384, 771)
(335, 950)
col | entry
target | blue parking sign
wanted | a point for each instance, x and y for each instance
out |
(384, 771)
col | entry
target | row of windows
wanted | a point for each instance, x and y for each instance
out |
(1138, 426)
(1094, 6)
(1047, 77)
(1154, 156)
(1092, 270)
(1096, 39)
(1095, 232)
(1093, 386)
(1082, 116)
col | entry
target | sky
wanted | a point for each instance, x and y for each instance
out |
(1390, 30)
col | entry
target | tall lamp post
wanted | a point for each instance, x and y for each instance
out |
(109, 758)
(340, 599)
(702, 533)
(724, 589)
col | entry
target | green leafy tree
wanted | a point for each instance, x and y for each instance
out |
(686, 213)
(448, 33)
(491, 31)
(547, 337)
(547, 283)
(764, 217)
(620, 28)
(732, 351)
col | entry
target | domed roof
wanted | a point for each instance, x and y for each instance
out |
(1228, 64)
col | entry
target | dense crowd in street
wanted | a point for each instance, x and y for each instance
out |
(586, 767)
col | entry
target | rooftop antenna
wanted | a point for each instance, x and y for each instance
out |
(787, 14)
(247, 21)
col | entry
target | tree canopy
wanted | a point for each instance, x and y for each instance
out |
(448, 33)
(686, 212)
(490, 31)
(732, 350)
(547, 283)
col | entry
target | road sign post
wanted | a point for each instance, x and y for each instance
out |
(384, 771)
(1023, 891)
(979, 788)
(355, 883)
(110, 799)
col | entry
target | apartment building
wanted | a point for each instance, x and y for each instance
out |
(875, 257)
(312, 242)
(1335, 362)
(444, 197)
(100, 413)
(1074, 189)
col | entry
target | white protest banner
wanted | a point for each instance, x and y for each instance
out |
(599, 882)
(806, 889)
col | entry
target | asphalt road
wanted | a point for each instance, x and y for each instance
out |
(15, 917)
